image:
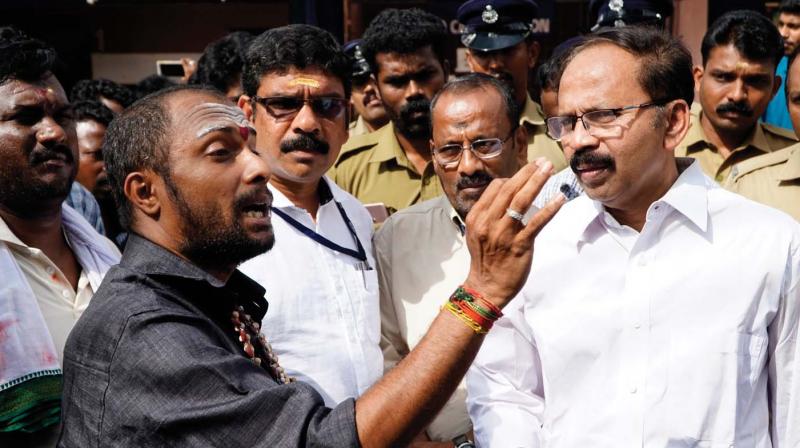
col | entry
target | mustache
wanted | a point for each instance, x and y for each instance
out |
(590, 158)
(474, 180)
(305, 142)
(251, 197)
(414, 106)
(56, 152)
(741, 108)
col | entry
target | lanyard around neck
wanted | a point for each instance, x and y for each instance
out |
(360, 254)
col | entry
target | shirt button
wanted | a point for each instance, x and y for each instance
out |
(66, 293)
(50, 270)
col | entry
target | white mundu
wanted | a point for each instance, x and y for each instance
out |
(682, 335)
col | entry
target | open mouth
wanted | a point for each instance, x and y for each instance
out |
(257, 211)
(589, 167)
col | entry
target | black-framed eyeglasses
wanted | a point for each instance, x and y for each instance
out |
(598, 123)
(448, 156)
(283, 107)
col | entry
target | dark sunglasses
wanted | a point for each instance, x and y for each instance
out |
(282, 107)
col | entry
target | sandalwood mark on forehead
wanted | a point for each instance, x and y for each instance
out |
(301, 81)
(217, 117)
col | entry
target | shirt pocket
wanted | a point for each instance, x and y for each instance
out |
(362, 289)
(713, 376)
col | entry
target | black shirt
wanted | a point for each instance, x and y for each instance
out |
(154, 361)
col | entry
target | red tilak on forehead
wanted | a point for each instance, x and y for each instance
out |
(244, 132)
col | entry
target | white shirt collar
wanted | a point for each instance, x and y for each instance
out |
(688, 196)
(279, 200)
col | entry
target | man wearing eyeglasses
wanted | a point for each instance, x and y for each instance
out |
(323, 319)
(735, 84)
(499, 39)
(422, 250)
(658, 311)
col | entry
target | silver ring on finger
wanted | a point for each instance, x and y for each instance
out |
(515, 215)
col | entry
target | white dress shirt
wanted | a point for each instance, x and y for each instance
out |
(682, 335)
(323, 320)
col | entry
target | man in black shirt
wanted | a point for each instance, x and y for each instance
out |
(169, 353)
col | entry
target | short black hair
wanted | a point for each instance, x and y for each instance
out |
(294, 46)
(93, 89)
(752, 34)
(480, 81)
(665, 67)
(403, 31)
(152, 84)
(789, 7)
(138, 139)
(222, 61)
(22, 57)
(547, 74)
(85, 110)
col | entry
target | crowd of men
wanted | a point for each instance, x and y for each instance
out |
(310, 244)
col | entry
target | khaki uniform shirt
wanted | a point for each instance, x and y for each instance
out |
(375, 169)
(358, 127)
(772, 179)
(422, 258)
(539, 144)
(764, 139)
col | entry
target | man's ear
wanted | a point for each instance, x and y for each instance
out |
(776, 84)
(697, 74)
(677, 124)
(471, 62)
(141, 191)
(533, 53)
(521, 144)
(247, 107)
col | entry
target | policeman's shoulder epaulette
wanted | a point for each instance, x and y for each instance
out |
(779, 131)
(356, 145)
(765, 160)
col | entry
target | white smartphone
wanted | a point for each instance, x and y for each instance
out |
(170, 68)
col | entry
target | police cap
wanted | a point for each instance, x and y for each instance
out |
(496, 24)
(360, 65)
(629, 12)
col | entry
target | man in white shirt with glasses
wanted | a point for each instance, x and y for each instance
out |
(320, 276)
(658, 311)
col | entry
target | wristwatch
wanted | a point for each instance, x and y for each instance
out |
(463, 442)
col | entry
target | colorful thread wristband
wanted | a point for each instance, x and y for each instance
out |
(473, 309)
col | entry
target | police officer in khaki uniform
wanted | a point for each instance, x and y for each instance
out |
(735, 84)
(391, 168)
(499, 41)
(364, 98)
(774, 179)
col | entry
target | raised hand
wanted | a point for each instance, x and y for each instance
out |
(500, 245)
